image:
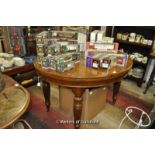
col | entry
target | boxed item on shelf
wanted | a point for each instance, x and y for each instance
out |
(93, 52)
(64, 63)
(62, 38)
(53, 64)
(89, 61)
(121, 61)
(40, 48)
(76, 57)
(96, 60)
(106, 60)
(93, 36)
(53, 49)
(100, 36)
(59, 63)
(107, 40)
(102, 46)
(46, 62)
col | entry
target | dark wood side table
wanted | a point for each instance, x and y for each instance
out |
(16, 70)
(81, 78)
(152, 56)
(25, 75)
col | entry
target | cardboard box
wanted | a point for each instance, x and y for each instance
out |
(93, 101)
(93, 36)
(100, 35)
(89, 61)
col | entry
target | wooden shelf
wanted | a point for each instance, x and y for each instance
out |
(139, 63)
(133, 43)
(130, 47)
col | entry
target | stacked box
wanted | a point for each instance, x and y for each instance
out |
(96, 60)
(106, 60)
(89, 61)
(54, 54)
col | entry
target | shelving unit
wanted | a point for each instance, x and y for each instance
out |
(139, 63)
(131, 47)
(133, 43)
(22, 73)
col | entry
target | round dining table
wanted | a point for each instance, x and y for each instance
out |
(80, 78)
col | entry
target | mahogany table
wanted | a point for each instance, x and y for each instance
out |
(81, 78)
(22, 69)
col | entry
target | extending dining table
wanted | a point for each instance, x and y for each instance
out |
(80, 78)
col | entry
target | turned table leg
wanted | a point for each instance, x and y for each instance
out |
(116, 88)
(77, 106)
(46, 92)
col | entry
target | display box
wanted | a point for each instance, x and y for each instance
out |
(122, 60)
(40, 48)
(100, 36)
(96, 60)
(93, 36)
(41, 38)
(76, 57)
(65, 66)
(89, 61)
(102, 46)
(64, 63)
(53, 49)
(105, 62)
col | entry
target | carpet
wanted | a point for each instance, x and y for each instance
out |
(125, 100)
(38, 118)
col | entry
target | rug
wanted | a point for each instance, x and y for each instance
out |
(38, 118)
(125, 100)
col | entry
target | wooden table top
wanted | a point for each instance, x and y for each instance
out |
(14, 101)
(83, 76)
